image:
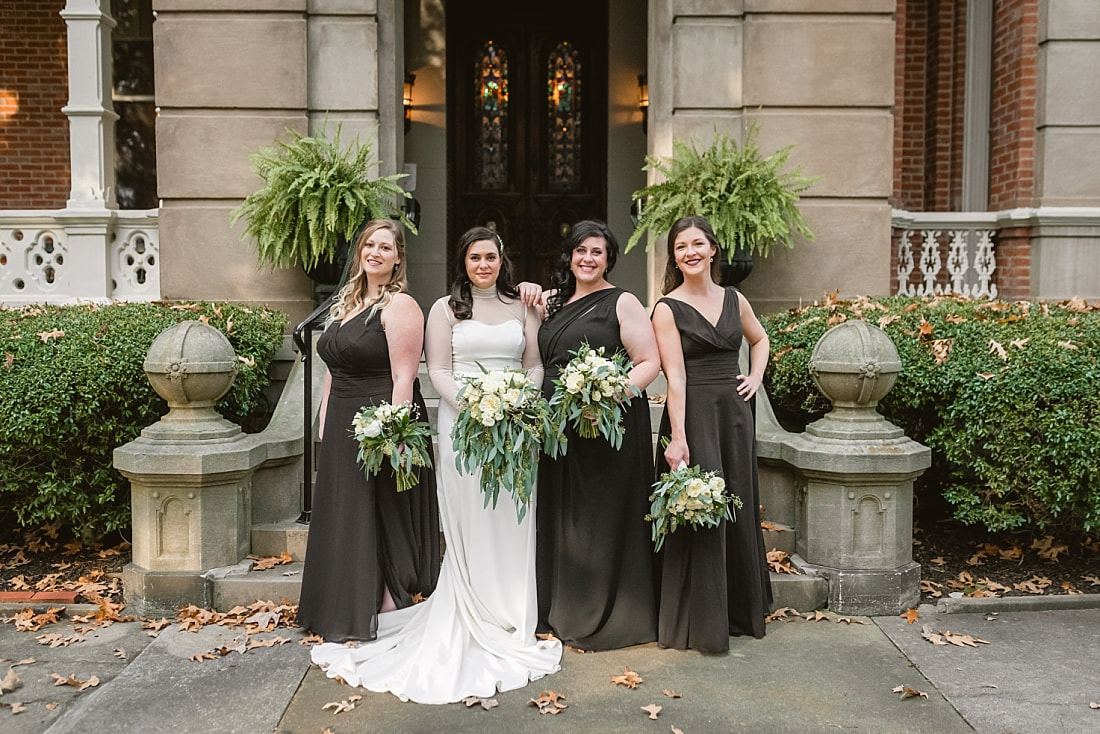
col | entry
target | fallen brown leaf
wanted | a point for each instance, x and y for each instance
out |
(910, 615)
(15, 706)
(783, 614)
(549, 702)
(907, 692)
(671, 694)
(10, 682)
(652, 709)
(485, 703)
(629, 678)
(816, 616)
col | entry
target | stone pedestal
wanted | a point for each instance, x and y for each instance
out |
(190, 474)
(854, 493)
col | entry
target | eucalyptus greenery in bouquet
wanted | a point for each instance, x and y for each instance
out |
(689, 496)
(393, 432)
(317, 192)
(590, 392)
(503, 423)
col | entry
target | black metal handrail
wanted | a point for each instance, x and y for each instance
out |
(303, 339)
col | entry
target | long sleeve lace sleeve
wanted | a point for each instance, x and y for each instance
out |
(532, 361)
(437, 351)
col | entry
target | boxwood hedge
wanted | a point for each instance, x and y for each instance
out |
(72, 389)
(1007, 395)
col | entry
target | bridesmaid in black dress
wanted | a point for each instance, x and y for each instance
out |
(594, 556)
(371, 548)
(714, 581)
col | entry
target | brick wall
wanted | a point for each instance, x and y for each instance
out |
(34, 134)
(1012, 132)
(930, 71)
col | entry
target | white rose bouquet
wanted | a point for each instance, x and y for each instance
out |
(590, 392)
(503, 423)
(689, 496)
(393, 432)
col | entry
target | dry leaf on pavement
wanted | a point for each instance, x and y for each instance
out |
(652, 709)
(907, 692)
(10, 682)
(486, 703)
(910, 615)
(549, 702)
(339, 707)
(783, 614)
(671, 694)
(629, 678)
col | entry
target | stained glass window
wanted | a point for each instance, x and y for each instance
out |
(563, 85)
(491, 85)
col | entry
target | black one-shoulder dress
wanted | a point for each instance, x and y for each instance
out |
(594, 556)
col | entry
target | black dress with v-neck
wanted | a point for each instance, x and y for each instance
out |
(593, 554)
(363, 532)
(714, 581)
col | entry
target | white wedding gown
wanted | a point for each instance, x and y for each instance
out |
(475, 635)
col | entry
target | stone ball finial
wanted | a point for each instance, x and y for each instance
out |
(191, 365)
(854, 365)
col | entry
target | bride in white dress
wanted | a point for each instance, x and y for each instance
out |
(475, 635)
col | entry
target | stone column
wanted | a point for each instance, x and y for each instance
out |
(854, 498)
(88, 216)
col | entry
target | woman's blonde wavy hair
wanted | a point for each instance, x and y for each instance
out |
(354, 293)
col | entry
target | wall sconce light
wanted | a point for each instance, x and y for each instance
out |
(410, 79)
(643, 99)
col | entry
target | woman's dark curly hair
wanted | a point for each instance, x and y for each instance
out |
(462, 301)
(563, 280)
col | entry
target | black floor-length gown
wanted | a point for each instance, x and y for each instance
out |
(715, 581)
(363, 532)
(594, 556)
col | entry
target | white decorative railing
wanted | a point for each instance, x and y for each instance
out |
(963, 241)
(37, 261)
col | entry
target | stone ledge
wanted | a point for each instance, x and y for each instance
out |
(983, 605)
(39, 597)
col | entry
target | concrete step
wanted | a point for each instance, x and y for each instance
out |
(271, 539)
(802, 592)
(780, 537)
(272, 584)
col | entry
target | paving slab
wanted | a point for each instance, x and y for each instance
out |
(163, 691)
(93, 655)
(803, 677)
(1038, 674)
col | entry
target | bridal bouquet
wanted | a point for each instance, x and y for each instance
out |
(503, 422)
(590, 392)
(689, 496)
(393, 432)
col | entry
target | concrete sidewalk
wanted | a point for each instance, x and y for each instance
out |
(1038, 673)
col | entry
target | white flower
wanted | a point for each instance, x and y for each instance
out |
(373, 429)
(489, 404)
(574, 382)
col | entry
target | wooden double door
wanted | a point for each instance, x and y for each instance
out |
(527, 123)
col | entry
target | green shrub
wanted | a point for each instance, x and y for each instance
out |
(1005, 394)
(72, 389)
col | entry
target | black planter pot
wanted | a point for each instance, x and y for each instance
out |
(735, 269)
(326, 276)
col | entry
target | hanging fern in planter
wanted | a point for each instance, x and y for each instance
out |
(748, 199)
(315, 195)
